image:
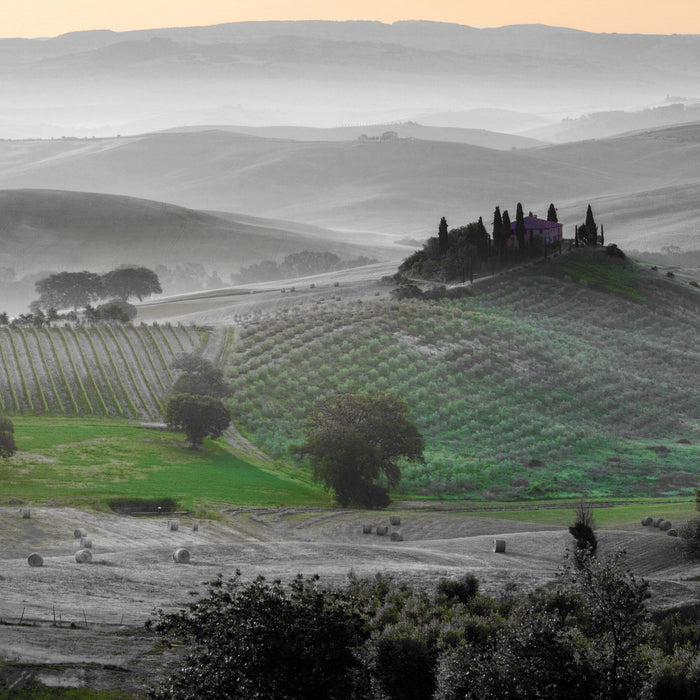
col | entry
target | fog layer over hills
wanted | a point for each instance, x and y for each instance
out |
(333, 73)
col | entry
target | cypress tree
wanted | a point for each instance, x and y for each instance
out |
(591, 228)
(602, 235)
(443, 239)
(520, 226)
(552, 214)
(498, 233)
(506, 229)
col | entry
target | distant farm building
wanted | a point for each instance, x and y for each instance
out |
(548, 231)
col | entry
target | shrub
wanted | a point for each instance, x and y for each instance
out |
(582, 529)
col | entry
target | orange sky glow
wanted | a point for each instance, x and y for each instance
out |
(34, 18)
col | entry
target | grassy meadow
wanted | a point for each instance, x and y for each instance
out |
(576, 376)
(89, 461)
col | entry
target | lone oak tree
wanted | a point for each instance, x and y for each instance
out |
(197, 416)
(199, 376)
(353, 439)
(125, 282)
(69, 290)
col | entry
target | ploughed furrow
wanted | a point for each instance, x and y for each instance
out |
(111, 391)
(151, 361)
(18, 381)
(131, 372)
(8, 377)
(46, 393)
(83, 372)
(51, 344)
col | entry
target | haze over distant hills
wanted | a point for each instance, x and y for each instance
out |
(331, 73)
(643, 186)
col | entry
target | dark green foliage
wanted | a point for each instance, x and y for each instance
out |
(199, 376)
(552, 213)
(69, 290)
(443, 240)
(499, 235)
(196, 416)
(613, 251)
(262, 640)
(520, 226)
(353, 439)
(129, 506)
(586, 639)
(690, 538)
(117, 310)
(462, 590)
(591, 227)
(129, 281)
(7, 437)
(583, 529)
(404, 668)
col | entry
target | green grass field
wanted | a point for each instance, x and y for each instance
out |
(89, 461)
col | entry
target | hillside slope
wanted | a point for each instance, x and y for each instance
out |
(580, 375)
(398, 187)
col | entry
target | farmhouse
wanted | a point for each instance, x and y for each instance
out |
(548, 231)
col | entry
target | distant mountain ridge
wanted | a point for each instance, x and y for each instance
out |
(328, 73)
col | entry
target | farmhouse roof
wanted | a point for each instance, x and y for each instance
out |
(537, 224)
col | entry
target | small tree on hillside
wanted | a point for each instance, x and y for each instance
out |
(552, 213)
(199, 376)
(197, 416)
(7, 437)
(583, 528)
(354, 439)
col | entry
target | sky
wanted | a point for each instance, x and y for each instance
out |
(45, 18)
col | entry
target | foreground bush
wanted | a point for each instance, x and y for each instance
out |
(588, 638)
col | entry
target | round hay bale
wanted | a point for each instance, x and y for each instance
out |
(181, 556)
(26, 513)
(366, 529)
(647, 521)
(396, 537)
(657, 522)
(83, 556)
(173, 525)
(499, 546)
(35, 560)
(665, 525)
(195, 526)
(79, 532)
(86, 542)
(382, 530)
(395, 519)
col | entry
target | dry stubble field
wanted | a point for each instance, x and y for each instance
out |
(82, 624)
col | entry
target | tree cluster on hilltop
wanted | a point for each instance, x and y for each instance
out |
(300, 264)
(588, 638)
(460, 253)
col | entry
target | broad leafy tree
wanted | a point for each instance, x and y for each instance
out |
(126, 282)
(7, 437)
(65, 290)
(199, 376)
(353, 440)
(197, 416)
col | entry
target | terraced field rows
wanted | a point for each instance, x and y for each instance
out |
(94, 370)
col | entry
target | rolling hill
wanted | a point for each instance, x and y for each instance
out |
(399, 187)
